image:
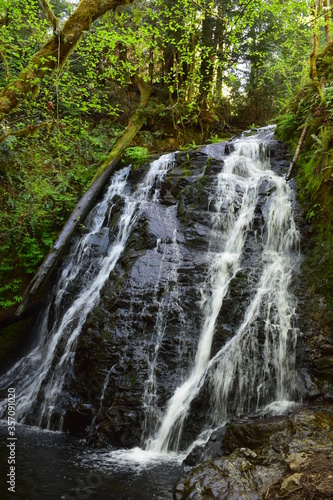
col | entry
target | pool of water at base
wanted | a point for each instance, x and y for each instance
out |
(51, 465)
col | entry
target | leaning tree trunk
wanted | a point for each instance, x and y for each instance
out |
(297, 152)
(55, 52)
(82, 208)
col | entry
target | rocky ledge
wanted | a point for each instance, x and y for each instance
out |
(265, 458)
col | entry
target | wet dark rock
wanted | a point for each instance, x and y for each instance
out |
(226, 478)
(120, 333)
(212, 449)
(263, 458)
(266, 187)
(77, 419)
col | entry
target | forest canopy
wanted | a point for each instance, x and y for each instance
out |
(220, 55)
(71, 77)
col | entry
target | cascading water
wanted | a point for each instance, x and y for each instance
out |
(169, 301)
(41, 375)
(248, 371)
(248, 367)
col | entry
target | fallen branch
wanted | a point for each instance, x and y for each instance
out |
(84, 205)
(297, 152)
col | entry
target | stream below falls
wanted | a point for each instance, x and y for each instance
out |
(174, 312)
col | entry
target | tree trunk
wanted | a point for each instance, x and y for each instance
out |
(55, 52)
(206, 66)
(219, 41)
(297, 152)
(327, 21)
(315, 41)
(82, 208)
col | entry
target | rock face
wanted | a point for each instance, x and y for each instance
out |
(315, 321)
(277, 457)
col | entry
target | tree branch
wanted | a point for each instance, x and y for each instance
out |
(242, 12)
(55, 52)
(54, 21)
(30, 130)
(3, 57)
(297, 152)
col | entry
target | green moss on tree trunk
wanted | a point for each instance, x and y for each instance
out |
(53, 55)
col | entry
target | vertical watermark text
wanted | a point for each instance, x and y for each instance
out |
(11, 440)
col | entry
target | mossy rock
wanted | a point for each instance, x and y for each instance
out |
(260, 457)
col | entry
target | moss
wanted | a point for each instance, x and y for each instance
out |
(187, 172)
(325, 62)
(316, 197)
(314, 177)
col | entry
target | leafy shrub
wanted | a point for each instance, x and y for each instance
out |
(135, 155)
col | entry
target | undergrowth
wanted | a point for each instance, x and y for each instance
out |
(314, 176)
(41, 179)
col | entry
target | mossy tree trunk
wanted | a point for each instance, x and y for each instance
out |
(315, 45)
(53, 55)
(328, 30)
(82, 208)
(207, 54)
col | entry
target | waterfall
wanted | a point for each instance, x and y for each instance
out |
(243, 369)
(252, 368)
(40, 376)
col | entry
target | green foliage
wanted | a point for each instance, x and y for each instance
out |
(286, 126)
(135, 155)
(314, 179)
(13, 288)
(188, 48)
(44, 177)
(214, 139)
(313, 211)
(328, 96)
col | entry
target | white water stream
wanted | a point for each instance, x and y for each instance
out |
(170, 301)
(40, 376)
(255, 369)
(242, 369)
